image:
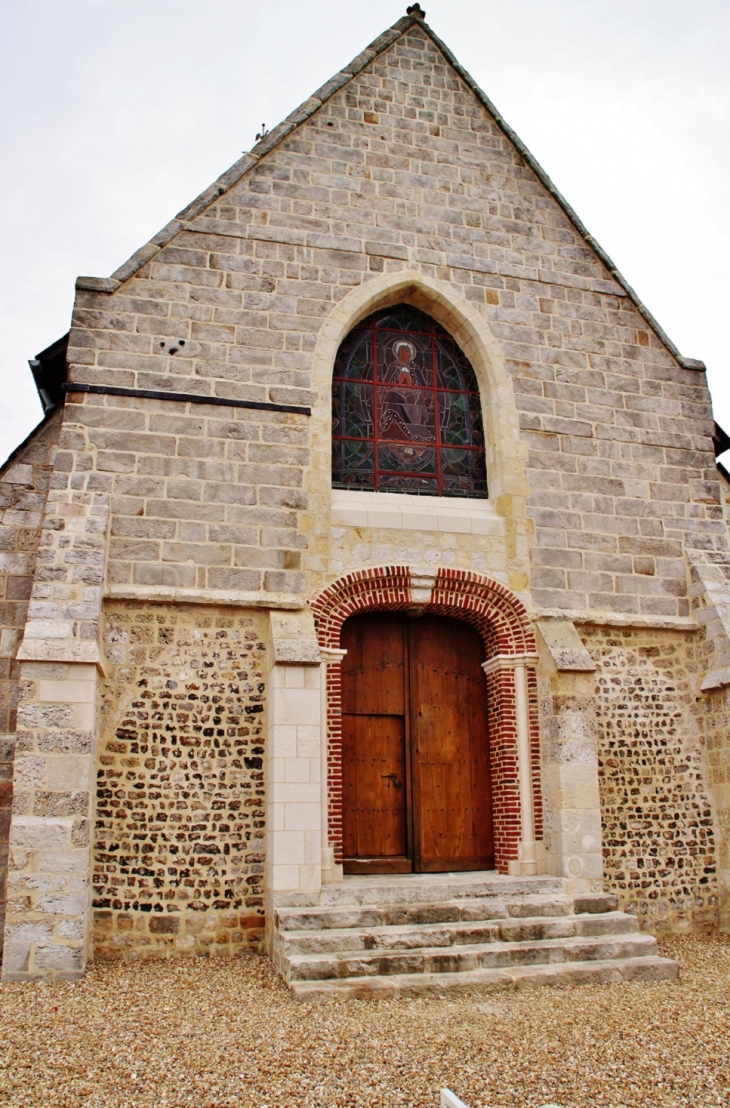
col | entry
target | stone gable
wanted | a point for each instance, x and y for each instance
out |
(401, 168)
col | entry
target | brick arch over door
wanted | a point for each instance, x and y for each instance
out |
(501, 620)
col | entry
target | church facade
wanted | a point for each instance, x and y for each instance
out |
(374, 528)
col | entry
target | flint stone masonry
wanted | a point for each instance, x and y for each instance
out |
(180, 821)
(659, 842)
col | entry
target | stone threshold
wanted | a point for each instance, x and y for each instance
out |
(394, 888)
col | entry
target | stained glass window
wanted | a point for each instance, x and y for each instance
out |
(405, 409)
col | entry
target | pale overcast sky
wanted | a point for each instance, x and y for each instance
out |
(116, 113)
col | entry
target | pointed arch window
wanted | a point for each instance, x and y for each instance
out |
(406, 415)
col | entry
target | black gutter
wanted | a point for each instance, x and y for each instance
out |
(50, 371)
(184, 398)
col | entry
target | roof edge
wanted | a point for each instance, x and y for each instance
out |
(685, 363)
(234, 174)
(305, 110)
(47, 418)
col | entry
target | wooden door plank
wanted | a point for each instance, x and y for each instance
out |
(373, 670)
(451, 778)
(415, 706)
(374, 792)
(375, 807)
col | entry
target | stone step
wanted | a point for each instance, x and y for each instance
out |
(466, 959)
(413, 936)
(646, 968)
(432, 888)
(435, 933)
(459, 910)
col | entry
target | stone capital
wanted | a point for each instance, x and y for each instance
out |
(508, 661)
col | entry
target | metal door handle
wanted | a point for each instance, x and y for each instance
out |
(394, 778)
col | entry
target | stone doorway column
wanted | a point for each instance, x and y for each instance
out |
(566, 687)
(331, 871)
(530, 859)
(294, 812)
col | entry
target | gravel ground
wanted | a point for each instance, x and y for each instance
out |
(228, 1035)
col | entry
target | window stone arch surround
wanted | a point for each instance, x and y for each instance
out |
(506, 454)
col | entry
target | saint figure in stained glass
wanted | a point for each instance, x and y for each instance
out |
(405, 407)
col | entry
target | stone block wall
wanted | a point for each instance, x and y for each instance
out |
(622, 478)
(24, 485)
(569, 757)
(23, 490)
(295, 845)
(659, 839)
(180, 822)
(49, 849)
(399, 169)
(50, 834)
(202, 497)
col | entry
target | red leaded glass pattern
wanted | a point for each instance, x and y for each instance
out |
(405, 409)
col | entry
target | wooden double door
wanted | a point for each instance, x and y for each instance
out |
(415, 746)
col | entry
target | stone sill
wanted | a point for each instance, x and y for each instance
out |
(158, 594)
(409, 512)
(55, 650)
(618, 619)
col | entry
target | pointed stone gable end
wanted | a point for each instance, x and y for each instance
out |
(413, 24)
